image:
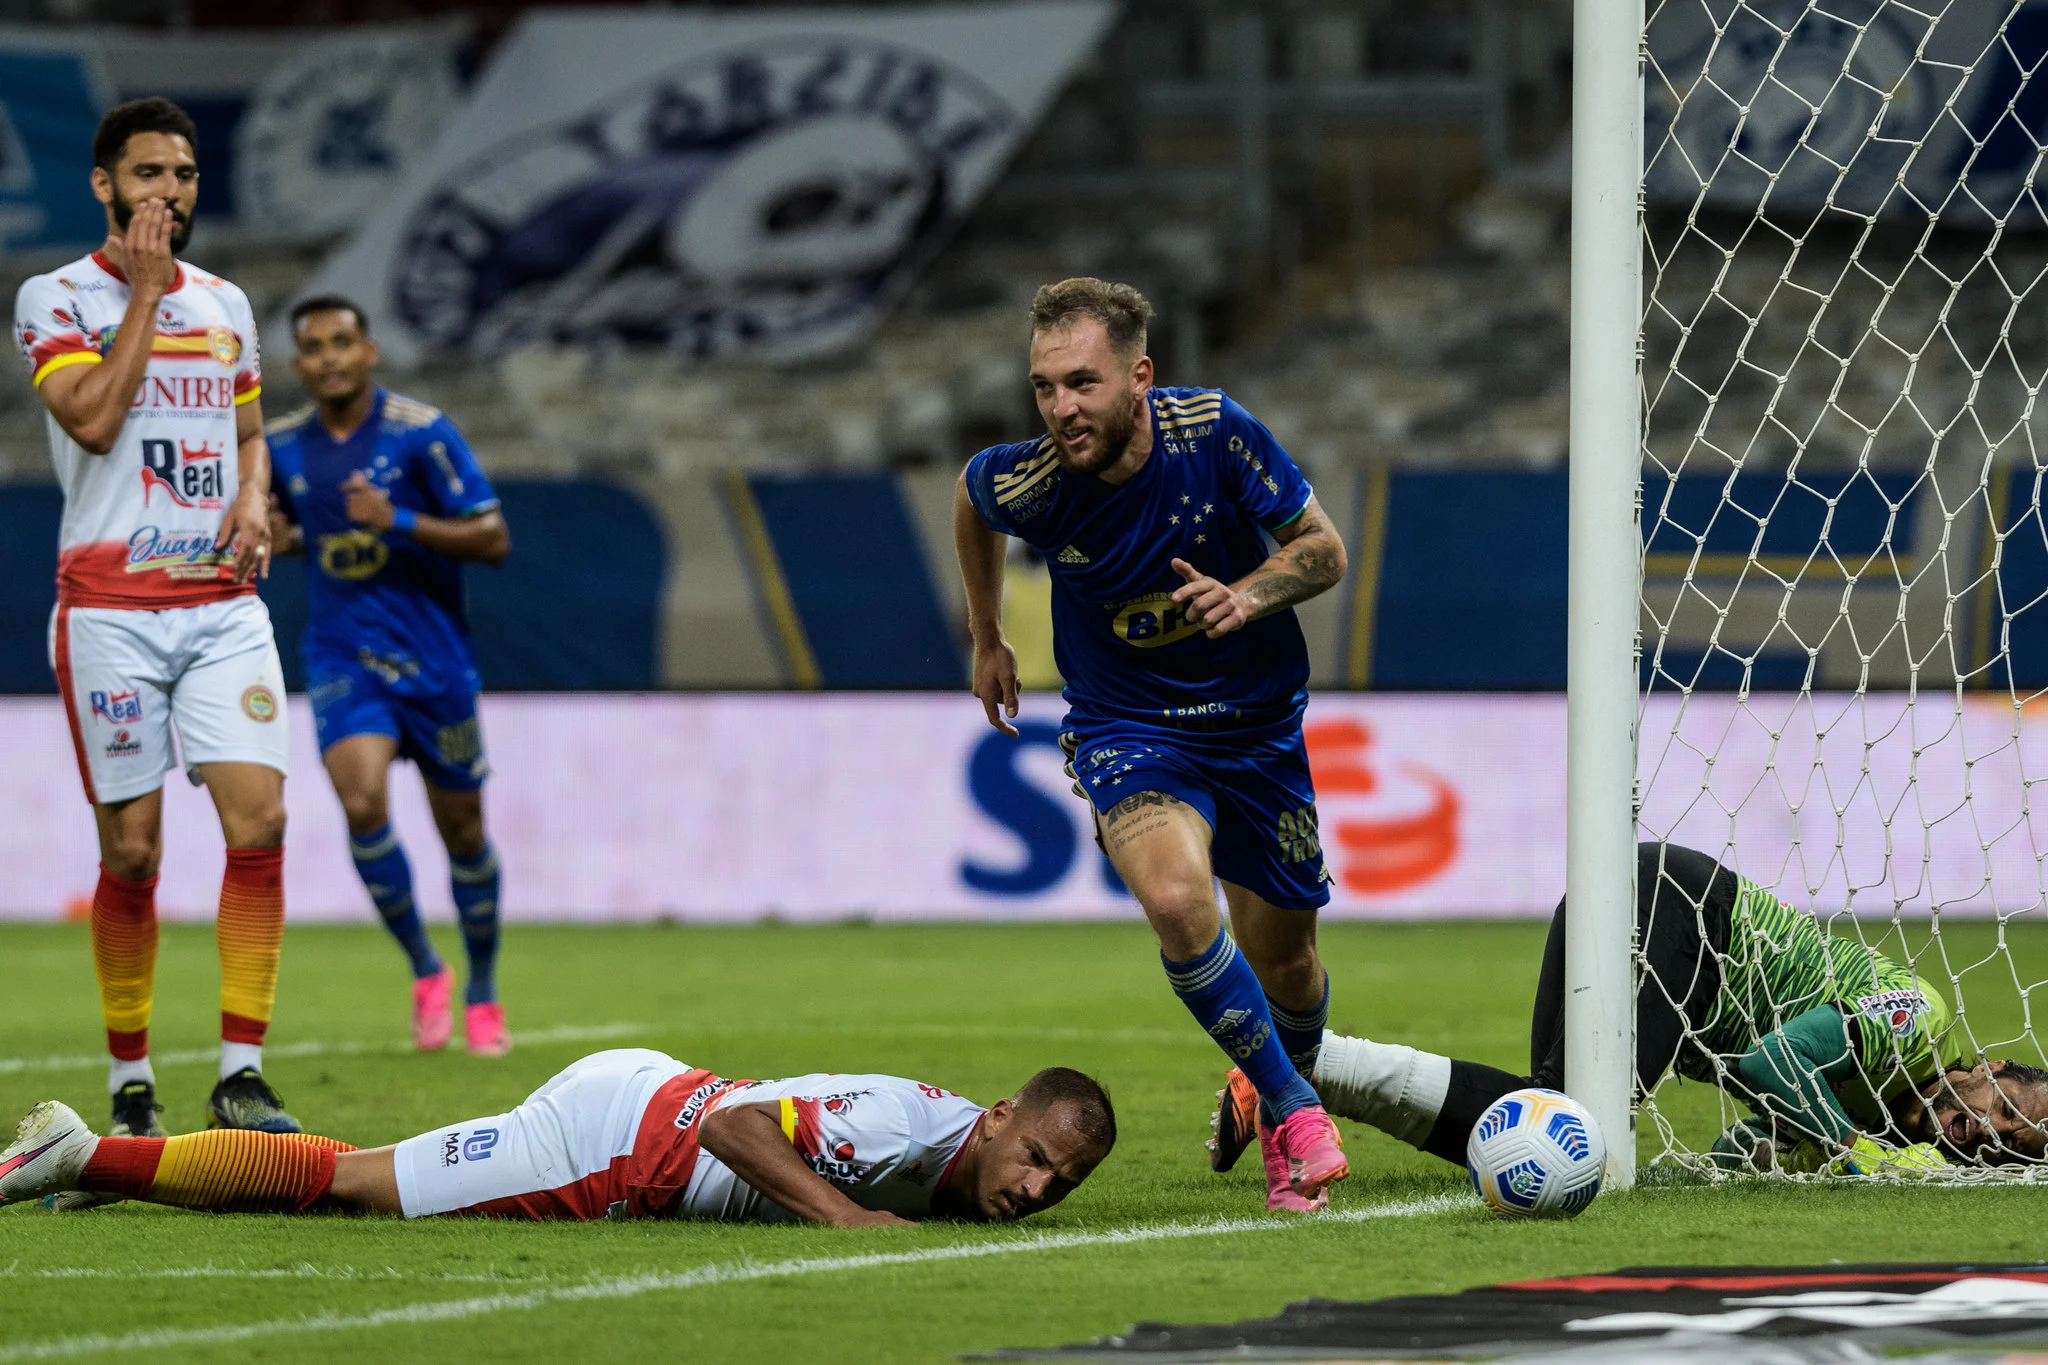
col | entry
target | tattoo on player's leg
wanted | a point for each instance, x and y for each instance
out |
(1136, 816)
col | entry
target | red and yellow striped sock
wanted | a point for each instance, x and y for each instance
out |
(228, 1169)
(124, 956)
(250, 933)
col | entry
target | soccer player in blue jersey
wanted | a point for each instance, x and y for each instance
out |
(384, 496)
(1186, 678)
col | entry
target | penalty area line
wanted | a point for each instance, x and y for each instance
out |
(728, 1272)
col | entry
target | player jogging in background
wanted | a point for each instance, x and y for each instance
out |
(385, 497)
(1846, 1057)
(1186, 678)
(629, 1134)
(148, 368)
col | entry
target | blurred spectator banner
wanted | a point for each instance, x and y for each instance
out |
(52, 92)
(709, 183)
(909, 806)
(300, 138)
(331, 127)
(1872, 107)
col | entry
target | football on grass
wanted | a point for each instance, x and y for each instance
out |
(1536, 1154)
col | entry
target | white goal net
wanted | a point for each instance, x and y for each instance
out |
(1844, 611)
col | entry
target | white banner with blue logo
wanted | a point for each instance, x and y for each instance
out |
(706, 183)
(52, 92)
(1871, 106)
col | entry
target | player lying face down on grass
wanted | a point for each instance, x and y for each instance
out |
(1845, 1056)
(1179, 535)
(629, 1133)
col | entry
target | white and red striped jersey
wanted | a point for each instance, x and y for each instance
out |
(887, 1143)
(141, 521)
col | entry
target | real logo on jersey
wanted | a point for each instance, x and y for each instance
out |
(773, 197)
(259, 704)
(353, 555)
(189, 476)
(117, 708)
(1152, 620)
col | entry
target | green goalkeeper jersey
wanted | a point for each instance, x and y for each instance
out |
(1781, 965)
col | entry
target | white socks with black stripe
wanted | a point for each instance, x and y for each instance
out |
(1398, 1090)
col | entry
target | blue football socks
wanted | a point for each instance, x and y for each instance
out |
(475, 883)
(1301, 1032)
(1222, 992)
(387, 876)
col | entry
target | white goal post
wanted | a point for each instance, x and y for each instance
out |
(1808, 614)
(1603, 570)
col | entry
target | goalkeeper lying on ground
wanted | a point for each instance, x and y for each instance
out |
(1843, 1054)
(628, 1134)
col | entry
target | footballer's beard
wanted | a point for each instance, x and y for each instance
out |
(1112, 438)
(181, 223)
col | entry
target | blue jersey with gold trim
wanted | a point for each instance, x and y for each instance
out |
(380, 600)
(1215, 480)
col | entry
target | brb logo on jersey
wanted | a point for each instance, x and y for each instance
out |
(1152, 620)
(189, 475)
(772, 198)
(353, 555)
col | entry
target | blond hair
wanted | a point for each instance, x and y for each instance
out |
(1122, 310)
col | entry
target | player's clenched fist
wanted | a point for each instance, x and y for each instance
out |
(995, 683)
(1215, 606)
(368, 505)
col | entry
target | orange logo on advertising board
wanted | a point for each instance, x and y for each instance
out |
(1384, 841)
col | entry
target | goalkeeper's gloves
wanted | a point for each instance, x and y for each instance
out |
(1867, 1156)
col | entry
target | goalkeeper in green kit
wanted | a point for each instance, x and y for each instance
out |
(1848, 1059)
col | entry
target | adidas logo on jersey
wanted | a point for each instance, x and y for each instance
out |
(1070, 555)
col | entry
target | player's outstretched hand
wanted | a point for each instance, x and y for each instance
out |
(247, 527)
(147, 246)
(995, 683)
(1215, 606)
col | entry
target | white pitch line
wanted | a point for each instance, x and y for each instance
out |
(564, 1033)
(730, 1272)
(574, 1033)
(306, 1271)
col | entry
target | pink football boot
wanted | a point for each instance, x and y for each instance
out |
(432, 1022)
(483, 1026)
(1308, 1143)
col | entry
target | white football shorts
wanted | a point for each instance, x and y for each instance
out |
(569, 1130)
(130, 677)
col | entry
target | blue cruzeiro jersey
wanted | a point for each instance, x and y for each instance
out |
(1215, 479)
(380, 599)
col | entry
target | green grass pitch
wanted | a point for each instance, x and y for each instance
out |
(972, 1008)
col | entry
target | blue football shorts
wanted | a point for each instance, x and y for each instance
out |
(438, 731)
(1252, 786)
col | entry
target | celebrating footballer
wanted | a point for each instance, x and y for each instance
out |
(387, 500)
(1187, 675)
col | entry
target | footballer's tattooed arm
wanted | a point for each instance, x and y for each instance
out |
(1310, 559)
(1136, 816)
